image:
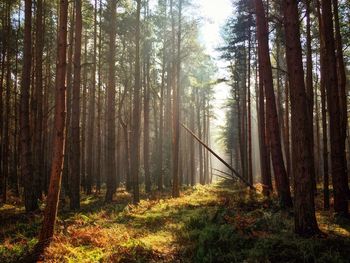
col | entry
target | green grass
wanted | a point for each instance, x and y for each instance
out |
(217, 223)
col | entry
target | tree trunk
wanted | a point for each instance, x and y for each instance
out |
(287, 131)
(192, 157)
(83, 123)
(69, 80)
(250, 161)
(342, 87)
(75, 158)
(48, 225)
(99, 107)
(310, 93)
(110, 114)
(135, 142)
(161, 122)
(176, 103)
(265, 171)
(199, 127)
(146, 110)
(339, 177)
(304, 207)
(38, 109)
(326, 204)
(30, 198)
(282, 181)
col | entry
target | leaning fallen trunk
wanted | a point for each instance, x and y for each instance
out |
(220, 159)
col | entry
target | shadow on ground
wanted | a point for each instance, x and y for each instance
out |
(217, 223)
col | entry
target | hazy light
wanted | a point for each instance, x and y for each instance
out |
(121, 10)
(215, 14)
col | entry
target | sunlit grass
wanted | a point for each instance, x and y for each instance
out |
(217, 223)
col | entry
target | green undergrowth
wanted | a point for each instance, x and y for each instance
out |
(217, 223)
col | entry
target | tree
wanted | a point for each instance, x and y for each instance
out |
(326, 204)
(75, 162)
(50, 214)
(310, 91)
(304, 207)
(30, 200)
(146, 106)
(282, 181)
(341, 74)
(135, 142)
(338, 161)
(91, 113)
(38, 101)
(111, 96)
(176, 105)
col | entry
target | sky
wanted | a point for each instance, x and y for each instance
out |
(215, 13)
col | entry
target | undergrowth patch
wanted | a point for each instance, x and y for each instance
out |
(217, 223)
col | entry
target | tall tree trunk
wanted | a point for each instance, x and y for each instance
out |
(342, 87)
(161, 121)
(282, 181)
(30, 198)
(83, 123)
(304, 207)
(38, 108)
(192, 151)
(69, 83)
(6, 142)
(75, 158)
(199, 127)
(264, 157)
(110, 114)
(287, 130)
(250, 148)
(99, 106)
(339, 177)
(2, 74)
(326, 204)
(14, 178)
(205, 153)
(135, 142)
(310, 92)
(176, 104)
(91, 121)
(146, 135)
(48, 225)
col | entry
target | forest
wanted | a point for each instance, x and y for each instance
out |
(124, 138)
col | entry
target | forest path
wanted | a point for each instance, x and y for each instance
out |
(213, 223)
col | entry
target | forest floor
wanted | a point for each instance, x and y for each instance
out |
(216, 223)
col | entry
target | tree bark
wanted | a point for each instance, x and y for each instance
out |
(50, 214)
(304, 207)
(310, 93)
(176, 104)
(30, 200)
(342, 86)
(326, 204)
(135, 142)
(264, 160)
(282, 181)
(75, 161)
(110, 114)
(339, 177)
(99, 107)
(38, 108)
(91, 114)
